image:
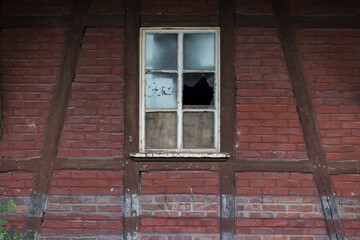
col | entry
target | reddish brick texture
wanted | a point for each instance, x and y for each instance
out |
(347, 188)
(180, 6)
(16, 186)
(30, 60)
(84, 203)
(267, 123)
(318, 7)
(331, 64)
(273, 205)
(182, 202)
(94, 125)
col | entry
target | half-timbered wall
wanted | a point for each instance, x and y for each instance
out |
(290, 119)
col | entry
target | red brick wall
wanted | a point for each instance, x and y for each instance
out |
(16, 186)
(183, 202)
(347, 188)
(181, 205)
(331, 64)
(267, 123)
(30, 60)
(285, 204)
(94, 125)
(84, 203)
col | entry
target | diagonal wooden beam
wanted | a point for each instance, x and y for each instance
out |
(57, 114)
(306, 113)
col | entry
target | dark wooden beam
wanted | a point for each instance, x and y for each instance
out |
(273, 165)
(344, 167)
(27, 165)
(179, 20)
(131, 173)
(307, 117)
(57, 114)
(227, 118)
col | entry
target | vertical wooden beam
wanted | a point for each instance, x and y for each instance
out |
(57, 114)
(131, 175)
(307, 118)
(227, 173)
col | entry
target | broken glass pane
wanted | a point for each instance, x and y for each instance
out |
(160, 130)
(199, 51)
(161, 51)
(161, 90)
(198, 90)
(198, 130)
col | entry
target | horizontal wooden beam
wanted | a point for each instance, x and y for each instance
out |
(344, 167)
(273, 165)
(179, 20)
(28, 165)
(182, 20)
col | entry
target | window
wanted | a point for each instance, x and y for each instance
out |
(179, 90)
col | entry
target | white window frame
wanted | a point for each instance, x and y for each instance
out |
(180, 151)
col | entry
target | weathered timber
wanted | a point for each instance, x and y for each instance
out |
(28, 165)
(179, 20)
(58, 109)
(131, 173)
(344, 167)
(307, 117)
(273, 165)
(227, 122)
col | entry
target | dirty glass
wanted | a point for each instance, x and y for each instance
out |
(161, 51)
(161, 90)
(199, 51)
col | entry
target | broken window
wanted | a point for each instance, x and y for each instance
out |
(179, 93)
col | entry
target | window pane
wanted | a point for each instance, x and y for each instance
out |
(161, 51)
(198, 90)
(161, 90)
(198, 130)
(199, 51)
(160, 130)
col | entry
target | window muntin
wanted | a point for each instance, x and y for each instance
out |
(179, 90)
